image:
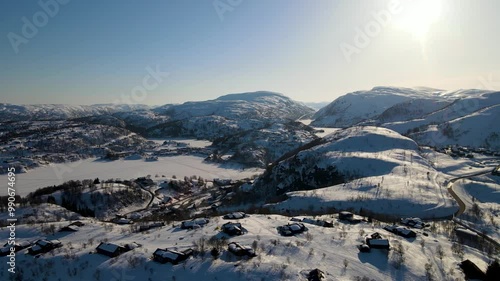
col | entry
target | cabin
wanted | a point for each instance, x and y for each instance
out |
(18, 246)
(111, 250)
(195, 223)
(146, 227)
(171, 256)
(350, 217)
(472, 271)
(240, 250)
(378, 243)
(322, 223)
(232, 228)
(234, 216)
(344, 215)
(316, 275)
(413, 222)
(123, 221)
(291, 229)
(44, 246)
(401, 231)
(69, 228)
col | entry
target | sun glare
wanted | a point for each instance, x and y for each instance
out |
(419, 16)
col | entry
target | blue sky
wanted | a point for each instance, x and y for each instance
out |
(100, 51)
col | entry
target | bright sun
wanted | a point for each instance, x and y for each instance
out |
(418, 17)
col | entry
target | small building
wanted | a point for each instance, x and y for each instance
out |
(344, 215)
(18, 246)
(291, 229)
(350, 217)
(235, 216)
(413, 222)
(376, 241)
(110, 249)
(195, 223)
(171, 256)
(401, 231)
(44, 246)
(316, 275)
(322, 223)
(472, 271)
(240, 250)
(123, 221)
(232, 228)
(69, 228)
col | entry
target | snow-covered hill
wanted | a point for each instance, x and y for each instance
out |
(12, 112)
(228, 115)
(411, 111)
(263, 146)
(254, 105)
(370, 167)
(359, 106)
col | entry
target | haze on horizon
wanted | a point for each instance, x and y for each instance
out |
(159, 52)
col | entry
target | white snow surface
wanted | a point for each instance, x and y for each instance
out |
(92, 168)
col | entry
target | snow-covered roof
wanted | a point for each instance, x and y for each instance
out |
(108, 247)
(36, 248)
(169, 254)
(379, 242)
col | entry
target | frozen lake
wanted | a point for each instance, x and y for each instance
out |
(179, 166)
(190, 142)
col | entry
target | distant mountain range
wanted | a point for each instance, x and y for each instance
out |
(429, 116)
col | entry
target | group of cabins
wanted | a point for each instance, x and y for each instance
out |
(43, 246)
(322, 223)
(18, 246)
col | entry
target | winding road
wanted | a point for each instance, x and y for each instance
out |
(461, 204)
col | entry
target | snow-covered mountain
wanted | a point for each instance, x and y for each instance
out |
(228, 115)
(253, 105)
(412, 110)
(12, 112)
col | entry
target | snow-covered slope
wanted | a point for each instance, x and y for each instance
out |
(478, 129)
(332, 250)
(359, 106)
(357, 166)
(416, 110)
(263, 146)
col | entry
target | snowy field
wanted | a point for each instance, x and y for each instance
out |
(179, 166)
(333, 250)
